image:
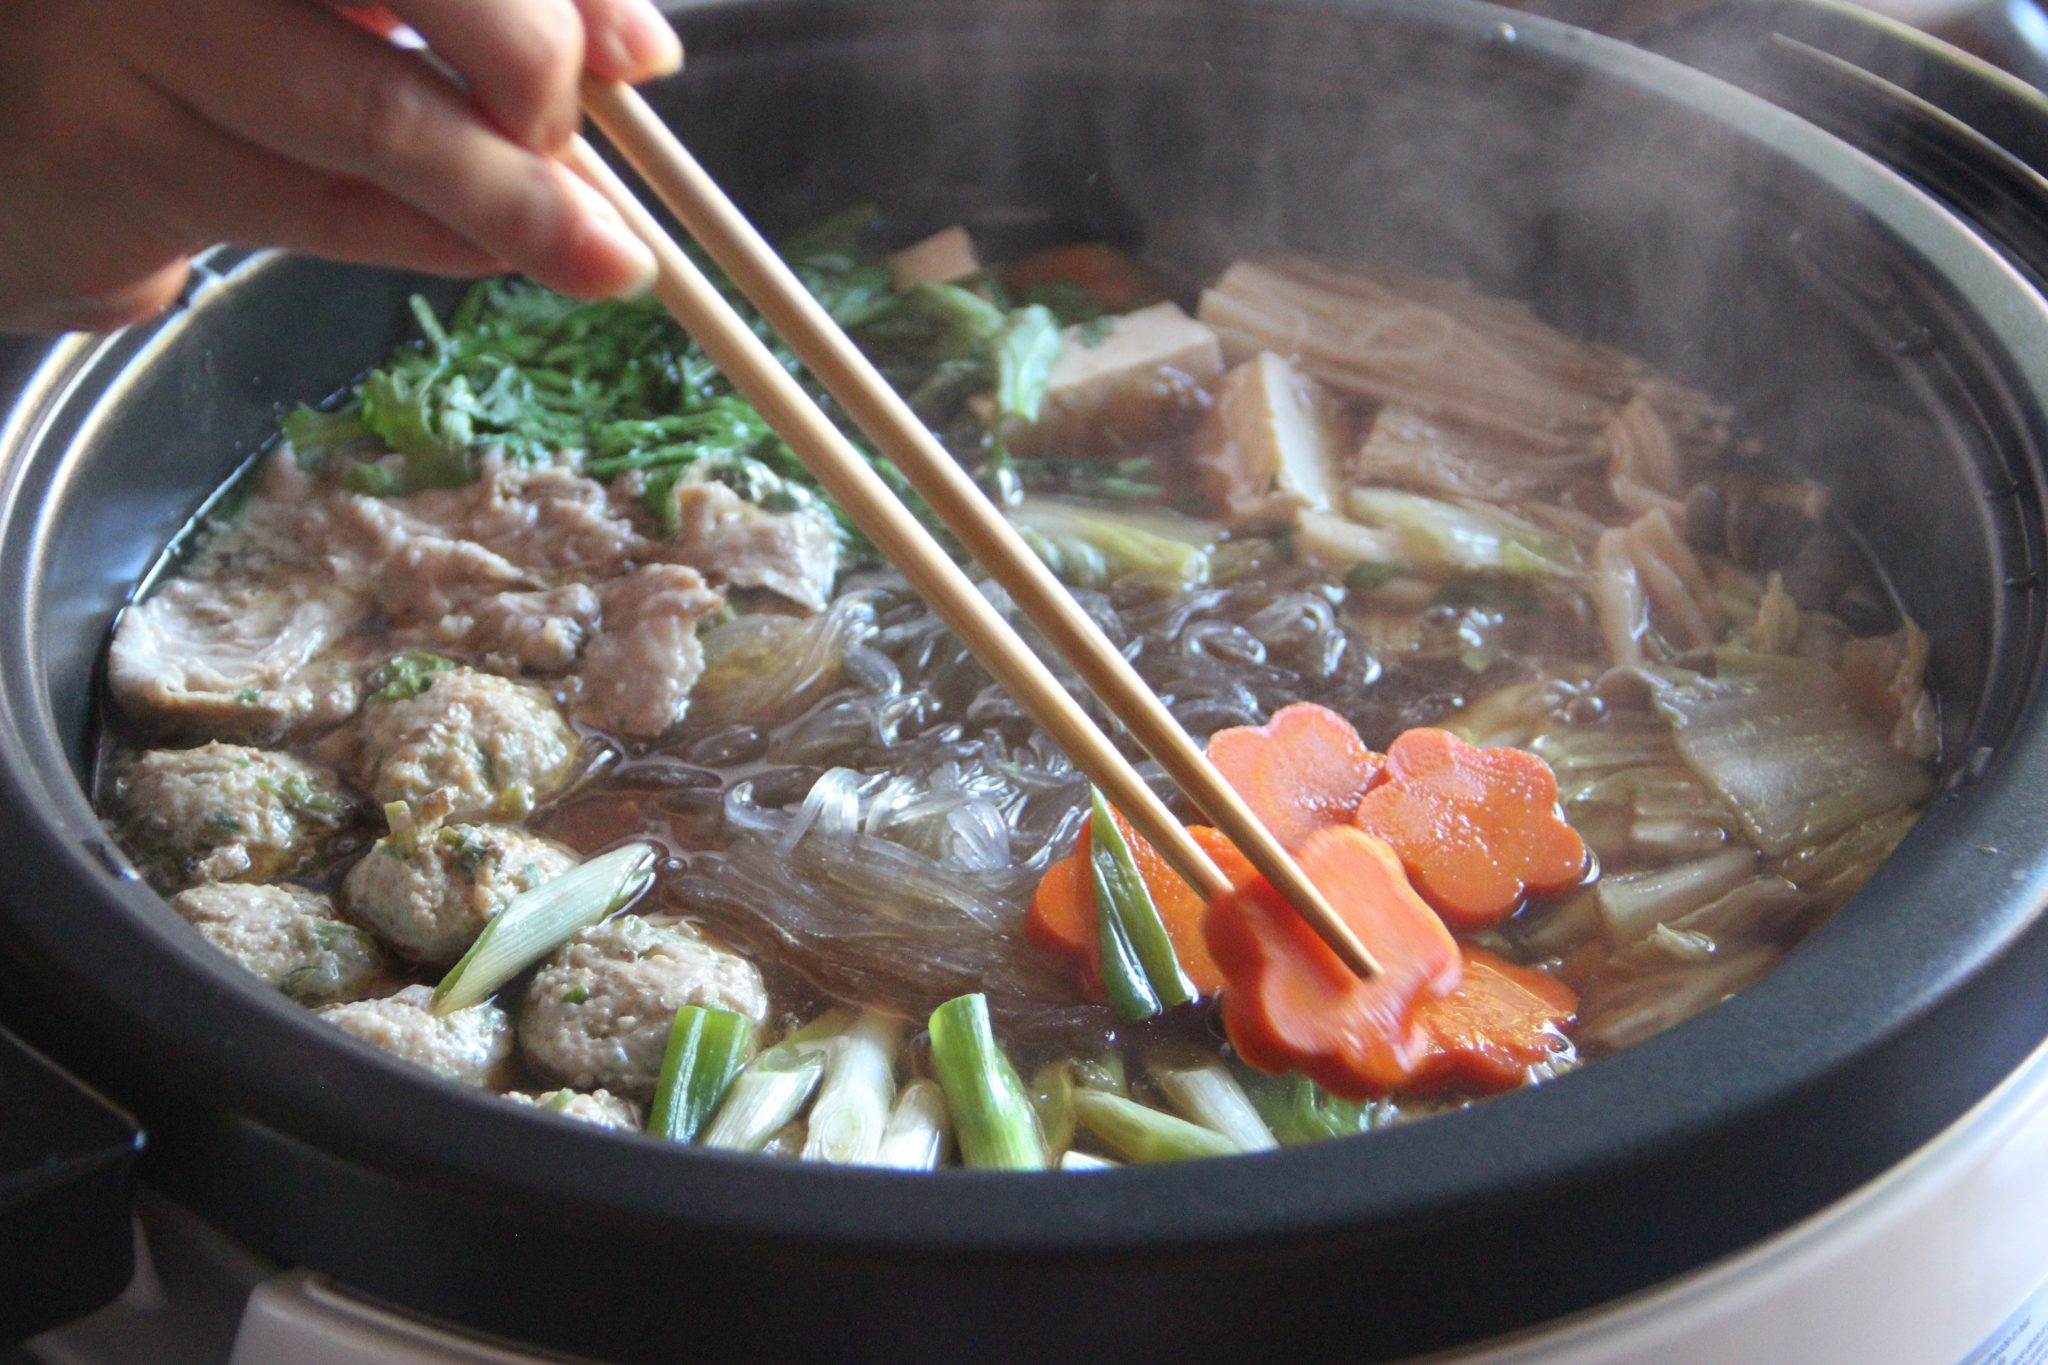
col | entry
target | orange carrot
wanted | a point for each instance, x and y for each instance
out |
(1290, 1004)
(1303, 770)
(1111, 279)
(1063, 921)
(1502, 1020)
(1477, 829)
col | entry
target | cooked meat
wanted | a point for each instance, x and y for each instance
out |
(598, 1011)
(223, 812)
(729, 540)
(494, 746)
(600, 1107)
(637, 674)
(430, 895)
(237, 655)
(472, 1045)
(289, 936)
(537, 630)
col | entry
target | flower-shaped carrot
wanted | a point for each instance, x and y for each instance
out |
(1502, 1020)
(1477, 829)
(1290, 1004)
(1301, 771)
(1062, 918)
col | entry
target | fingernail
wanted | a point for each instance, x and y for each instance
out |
(635, 252)
(651, 44)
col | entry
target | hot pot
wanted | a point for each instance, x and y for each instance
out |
(1872, 325)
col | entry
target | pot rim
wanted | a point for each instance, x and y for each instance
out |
(1585, 1130)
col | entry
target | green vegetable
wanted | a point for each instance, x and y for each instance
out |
(706, 1048)
(405, 676)
(1784, 744)
(1139, 967)
(1446, 538)
(852, 1108)
(1089, 545)
(767, 1095)
(992, 1115)
(916, 1137)
(315, 435)
(1298, 1110)
(1201, 1087)
(1071, 304)
(536, 922)
(1138, 1132)
(1368, 576)
(1025, 354)
(1052, 1099)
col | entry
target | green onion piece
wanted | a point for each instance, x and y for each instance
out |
(1138, 1133)
(706, 1048)
(766, 1096)
(1205, 1092)
(536, 922)
(992, 1115)
(1082, 1161)
(1102, 1073)
(852, 1108)
(919, 1130)
(1025, 354)
(1139, 966)
(1052, 1098)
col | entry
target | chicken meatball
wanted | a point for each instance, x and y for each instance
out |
(473, 1046)
(600, 1107)
(290, 937)
(223, 812)
(599, 1010)
(429, 895)
(494, 746)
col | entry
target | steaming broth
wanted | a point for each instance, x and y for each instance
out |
(543, 588)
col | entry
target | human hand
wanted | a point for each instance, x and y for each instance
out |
(140, 131)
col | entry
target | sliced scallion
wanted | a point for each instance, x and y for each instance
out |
(1205, 1092)
(992, 1115)
(536, 922)
(1137, 1132)
(919, 1130)
(1139, 967)
(766, 1096)
(852, 1107)
(1083, 1161)
(706, 1048)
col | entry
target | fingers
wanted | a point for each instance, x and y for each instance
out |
(521, 59)
(61, 307)
(628, 40)
(313, 89)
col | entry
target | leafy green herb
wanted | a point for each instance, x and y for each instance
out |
(1366, 577)
(1068, 302)
(406, 675)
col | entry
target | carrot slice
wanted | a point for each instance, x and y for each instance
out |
(1111, 279)
(1290, 1004)
(1477, 829)
(1063, 921)
(1502, 1020)
(1303, 770)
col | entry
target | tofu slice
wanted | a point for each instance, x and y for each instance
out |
(1269, 448)
(1146, 369)
(941, 258)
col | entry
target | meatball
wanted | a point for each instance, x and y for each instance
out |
(471, 1045)
(223, 812)
(600, 1107)
(429, 896)
(290, 937)
(599, 1010)
(496, 747)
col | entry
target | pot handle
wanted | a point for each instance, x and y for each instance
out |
(1964, 131)
(67, 1160)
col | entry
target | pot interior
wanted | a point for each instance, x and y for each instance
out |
(1864, 337)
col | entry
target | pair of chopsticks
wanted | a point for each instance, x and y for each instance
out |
(762, 277)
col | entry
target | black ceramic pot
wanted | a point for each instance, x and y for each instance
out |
(1870, 333)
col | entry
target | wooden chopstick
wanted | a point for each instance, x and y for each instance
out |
(830, 355)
